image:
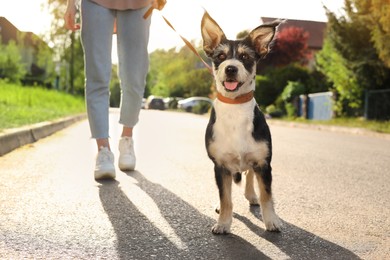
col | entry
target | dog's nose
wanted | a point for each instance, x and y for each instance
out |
(231, 70)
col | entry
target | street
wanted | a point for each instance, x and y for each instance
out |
(331, 191)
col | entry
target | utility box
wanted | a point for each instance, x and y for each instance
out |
(320, 106)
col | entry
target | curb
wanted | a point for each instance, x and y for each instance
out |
(331, 128)
(14, 138)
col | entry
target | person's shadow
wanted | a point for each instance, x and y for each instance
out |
(138, 238)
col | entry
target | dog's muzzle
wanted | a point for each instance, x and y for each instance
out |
(231, 83)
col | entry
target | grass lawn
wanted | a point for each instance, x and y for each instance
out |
(28, 105)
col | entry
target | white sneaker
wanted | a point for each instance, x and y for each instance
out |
(126, 160)
(104, 168)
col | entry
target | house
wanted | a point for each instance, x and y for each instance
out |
(315, 29)
(31, 45)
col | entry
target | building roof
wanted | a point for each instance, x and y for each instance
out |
(315, 29)
(8, 32)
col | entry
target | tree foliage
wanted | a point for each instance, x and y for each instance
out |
(378, 20)
(286, 62)
(271, 84)
(11, 66)
(178, 74)
(349, 57)
(290, 46)
(64, 44)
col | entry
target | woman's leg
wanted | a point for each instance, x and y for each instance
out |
(96, 35)
(133, 38)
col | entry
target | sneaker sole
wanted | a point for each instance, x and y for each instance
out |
(126, 167)
(109, 174)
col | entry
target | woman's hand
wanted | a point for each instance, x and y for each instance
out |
(70, 15)
(159, 4)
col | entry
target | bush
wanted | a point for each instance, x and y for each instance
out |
(290, 95)
(293, 89)
(273, 111)
(11, 66)
(291, 110)
(271, 85)
(266, 92)
(173, 103)
(201, 108)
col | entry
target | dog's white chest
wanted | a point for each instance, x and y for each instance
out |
(233, 144)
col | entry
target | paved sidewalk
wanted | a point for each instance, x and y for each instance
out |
(13, 138)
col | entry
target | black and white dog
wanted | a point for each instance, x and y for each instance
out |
(237, 136)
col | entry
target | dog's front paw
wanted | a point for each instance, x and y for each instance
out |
(219, 229)
(272, 223)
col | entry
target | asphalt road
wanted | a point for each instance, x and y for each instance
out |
(332, 192)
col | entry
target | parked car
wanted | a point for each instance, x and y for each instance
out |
(171, 102)
(154, 102)
(201, 103)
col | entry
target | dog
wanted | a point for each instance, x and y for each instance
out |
(237, 137)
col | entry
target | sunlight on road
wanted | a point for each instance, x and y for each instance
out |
(149, 209)
(263, 245)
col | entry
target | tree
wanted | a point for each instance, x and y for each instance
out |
(44, 60)
(11, 66)
(178, 74)
(271, 84)
(379, 19)
(290, 46)
(349, 58)
(290, 97)
(331, 63)
(67, 48)
(242, 34)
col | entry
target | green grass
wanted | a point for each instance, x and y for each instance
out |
(21, 106)
(372, 125)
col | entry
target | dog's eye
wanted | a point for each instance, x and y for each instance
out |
(222, 56)
(244, 56)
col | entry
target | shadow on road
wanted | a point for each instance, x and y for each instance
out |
(296, 242)
(138, 238)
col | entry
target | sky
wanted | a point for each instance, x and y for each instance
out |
(233, 16)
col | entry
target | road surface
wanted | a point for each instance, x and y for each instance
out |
(331, 189)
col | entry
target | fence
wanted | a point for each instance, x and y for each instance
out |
(377, 104)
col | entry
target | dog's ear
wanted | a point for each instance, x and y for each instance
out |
(212, 34)
(262, 36)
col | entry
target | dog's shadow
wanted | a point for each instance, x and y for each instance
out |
(295, 242)
(138, 238)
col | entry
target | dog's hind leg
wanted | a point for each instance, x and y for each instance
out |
(264, 178)
(224, 182)
(250, 193)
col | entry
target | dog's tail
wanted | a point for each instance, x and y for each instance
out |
(237, 177)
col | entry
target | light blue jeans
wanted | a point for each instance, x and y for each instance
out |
(97, 25)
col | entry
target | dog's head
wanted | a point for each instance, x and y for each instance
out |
(234, 62)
